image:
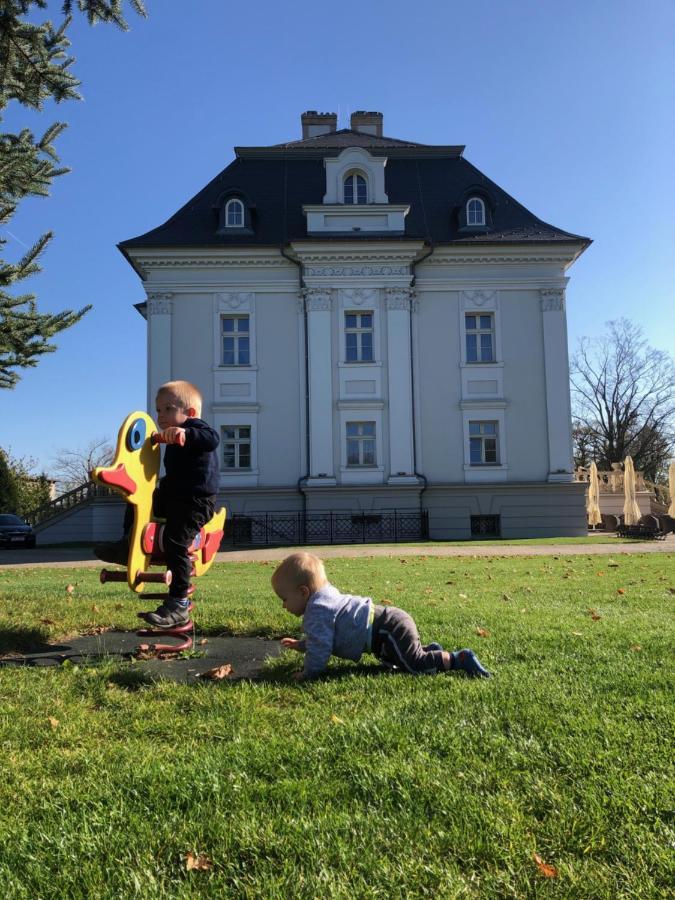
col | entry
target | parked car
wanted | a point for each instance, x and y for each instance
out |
(15, 532)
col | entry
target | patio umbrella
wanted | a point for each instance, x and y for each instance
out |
(631, 511)
(671, 488)
(593, 498)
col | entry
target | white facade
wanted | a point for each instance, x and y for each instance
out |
(323, 412)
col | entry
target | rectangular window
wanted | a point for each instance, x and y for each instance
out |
(358, 337)
(480, 342)
(361, 444)
(236, 341)
(483, 444)
(236, 444)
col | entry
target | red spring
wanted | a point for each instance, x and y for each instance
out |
(184, 634)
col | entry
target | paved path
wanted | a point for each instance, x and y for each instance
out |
(83, 557)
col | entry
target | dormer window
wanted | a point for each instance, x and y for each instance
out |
(234, 213)
(355, 188)
(475, 212)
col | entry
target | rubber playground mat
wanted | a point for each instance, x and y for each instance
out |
(246, 655)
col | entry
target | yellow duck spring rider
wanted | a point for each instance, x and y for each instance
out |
(133, 473)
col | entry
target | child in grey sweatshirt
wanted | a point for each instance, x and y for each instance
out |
(347, 626)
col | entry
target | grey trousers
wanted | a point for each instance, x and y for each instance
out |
(396, 642)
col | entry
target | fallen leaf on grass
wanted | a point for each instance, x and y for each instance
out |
(612, 565)
(202, 641)
(592, 613)
(218, 672)
(506, 597)
(428, 590)
(620, 591)
(545, 869)
(672, 590)
(119, 606)
(47, 621)
(635, 648)
(70, 588)
(200, 863)
(385, 602)
(577, 634)
(482, 632)
(464, 596)
(336, 720)
(600, 574)
(53, 722)
(94, 608)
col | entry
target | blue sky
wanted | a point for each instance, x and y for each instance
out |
(568, 107)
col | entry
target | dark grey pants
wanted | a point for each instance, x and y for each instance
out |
(397, 643)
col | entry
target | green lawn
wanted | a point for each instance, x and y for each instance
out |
(362, 785)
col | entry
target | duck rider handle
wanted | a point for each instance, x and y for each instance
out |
(158, 439)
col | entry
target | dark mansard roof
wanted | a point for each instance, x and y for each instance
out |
(275, 183)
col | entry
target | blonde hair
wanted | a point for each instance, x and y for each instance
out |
(300, 569)
(186, 393)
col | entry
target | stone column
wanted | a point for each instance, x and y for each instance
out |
(319, 303)
(160, 307)
(556, 364)
(401, 460)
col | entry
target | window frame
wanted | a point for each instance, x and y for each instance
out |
(469, 212)
(351, 176)
(359, 331)
(226, 213)
(235, 334)
(477, 333)
(482, 437)
(360, 439)
(237, 442)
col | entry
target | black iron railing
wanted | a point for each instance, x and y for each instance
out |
(293, 528)
(67, 501)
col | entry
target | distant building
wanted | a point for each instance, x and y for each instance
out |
(375, 325)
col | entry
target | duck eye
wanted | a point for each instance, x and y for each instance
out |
(136, 435)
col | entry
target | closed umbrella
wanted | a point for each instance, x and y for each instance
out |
(631, 511)
(671, 488)
(593, 498)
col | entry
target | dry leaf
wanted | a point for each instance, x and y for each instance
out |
(404, 561)
(482, 632)
(70, 588)
(672, 590)
(119, 606)
(577, 634)
(337, 720)
(48, 621)
(620, 591)
(600, 574)
(385, 602)
(94, 608)
(506, 597)
(545, 869)
(202, 641)
(464, 596)
(143, 648)
(635, 648)
(594, 615)
(53, 722)
(428, 590)
(612, 565)
(200, 863)
(218, 673)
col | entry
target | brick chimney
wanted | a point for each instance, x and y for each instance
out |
(314, 123)
(367, 122)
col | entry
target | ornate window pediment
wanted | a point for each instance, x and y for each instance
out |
(355, 161)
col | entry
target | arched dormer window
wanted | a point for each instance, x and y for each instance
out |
(234, 213)
(355, 188)
(475, 212)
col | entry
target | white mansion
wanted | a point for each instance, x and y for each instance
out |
(375, 326)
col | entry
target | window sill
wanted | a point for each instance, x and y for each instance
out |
(343, 364)
(470, 365)
(222, 368)
(484, 467)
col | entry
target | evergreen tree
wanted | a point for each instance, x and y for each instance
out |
(34, 67)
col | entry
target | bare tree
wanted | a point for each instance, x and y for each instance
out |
(71, 468)
(623, 394)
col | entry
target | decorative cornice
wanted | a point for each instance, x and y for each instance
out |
(481, 256)
(318, 299)
(359, 271)
(472, 299)
(359, 296)
(160, 303)
(398, 298)
(236, 299)
(552, 299)
(207, 261)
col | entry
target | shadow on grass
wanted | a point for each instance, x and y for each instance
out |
(20, 639)
(132, 679)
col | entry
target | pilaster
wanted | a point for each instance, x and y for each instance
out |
(556, 366)
(319, 305)
(398, 300)
(160, 309)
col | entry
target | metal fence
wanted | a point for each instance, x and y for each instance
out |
(294, 528)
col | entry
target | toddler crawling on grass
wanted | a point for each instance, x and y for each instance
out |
(347, 626)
